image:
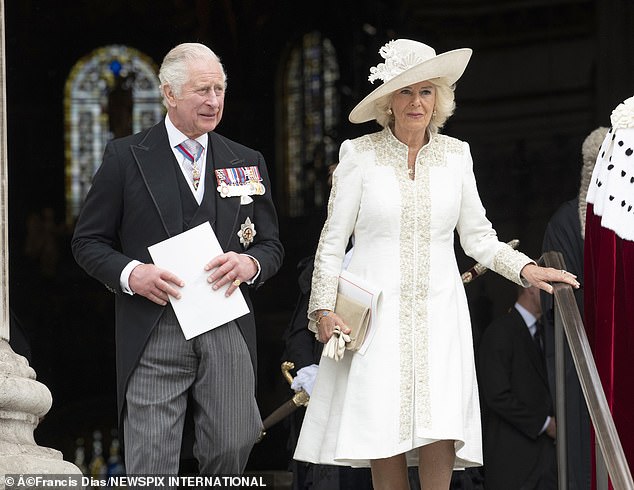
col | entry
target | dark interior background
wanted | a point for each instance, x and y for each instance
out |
(543, 75)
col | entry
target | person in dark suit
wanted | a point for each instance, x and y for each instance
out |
(518, 427)
(152, 186)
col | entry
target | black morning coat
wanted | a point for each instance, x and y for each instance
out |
(135, 201)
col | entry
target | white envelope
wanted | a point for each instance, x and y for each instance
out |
(200, 308)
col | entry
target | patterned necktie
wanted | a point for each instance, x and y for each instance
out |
(192, 150)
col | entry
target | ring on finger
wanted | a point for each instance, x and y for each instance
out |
(237, 282)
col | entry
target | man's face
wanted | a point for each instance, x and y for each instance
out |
(198, 108)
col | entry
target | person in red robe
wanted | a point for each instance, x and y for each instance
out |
(609, 270)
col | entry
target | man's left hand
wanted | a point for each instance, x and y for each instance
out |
(230, 268)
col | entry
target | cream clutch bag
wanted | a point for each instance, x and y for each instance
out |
(357, 318)
(356, 299)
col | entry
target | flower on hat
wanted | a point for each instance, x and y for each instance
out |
(406, 62)
(623, 115)
(396, 62)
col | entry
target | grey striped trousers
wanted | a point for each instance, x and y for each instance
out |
(216, 367)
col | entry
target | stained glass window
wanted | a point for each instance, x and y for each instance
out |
(310, 115)
(111, 92)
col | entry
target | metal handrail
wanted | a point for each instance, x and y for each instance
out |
(568, 316)
(560, 403)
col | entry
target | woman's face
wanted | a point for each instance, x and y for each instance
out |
(412, 107)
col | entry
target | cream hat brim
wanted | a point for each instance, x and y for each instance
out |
(450, 66)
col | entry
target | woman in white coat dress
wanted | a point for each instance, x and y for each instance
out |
(411, 397)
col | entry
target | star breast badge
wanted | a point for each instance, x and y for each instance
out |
(246, 233)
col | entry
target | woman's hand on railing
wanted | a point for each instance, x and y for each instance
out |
(541, 277)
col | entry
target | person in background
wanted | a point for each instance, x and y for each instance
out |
(609, 266)
(519, 426)
(565, 233)
(152, 186)
(301, 347)
(410, 398)
(304, 351)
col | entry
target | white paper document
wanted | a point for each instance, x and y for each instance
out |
(365, 293)
(200, 308)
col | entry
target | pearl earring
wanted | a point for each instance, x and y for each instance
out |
(389, 111)
(434, 113)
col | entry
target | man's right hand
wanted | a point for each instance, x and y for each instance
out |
(154, 283)
(551, 428)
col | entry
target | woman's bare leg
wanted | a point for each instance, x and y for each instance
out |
(435, 465)
(390, 473)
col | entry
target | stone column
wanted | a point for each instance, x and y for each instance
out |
(23, 400)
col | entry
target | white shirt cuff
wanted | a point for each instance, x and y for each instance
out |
(257, 263)
(124, 279)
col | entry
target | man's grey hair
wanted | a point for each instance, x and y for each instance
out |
(174, 71)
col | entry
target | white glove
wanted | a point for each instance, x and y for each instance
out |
(305, 379)
(336, 345)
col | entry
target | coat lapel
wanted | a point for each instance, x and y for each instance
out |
(155, 160)
(532, 350)
(228, 208)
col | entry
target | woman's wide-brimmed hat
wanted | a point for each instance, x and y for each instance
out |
(408, 62)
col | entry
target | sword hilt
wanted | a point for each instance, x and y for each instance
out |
(286, 371)
(300, 399)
